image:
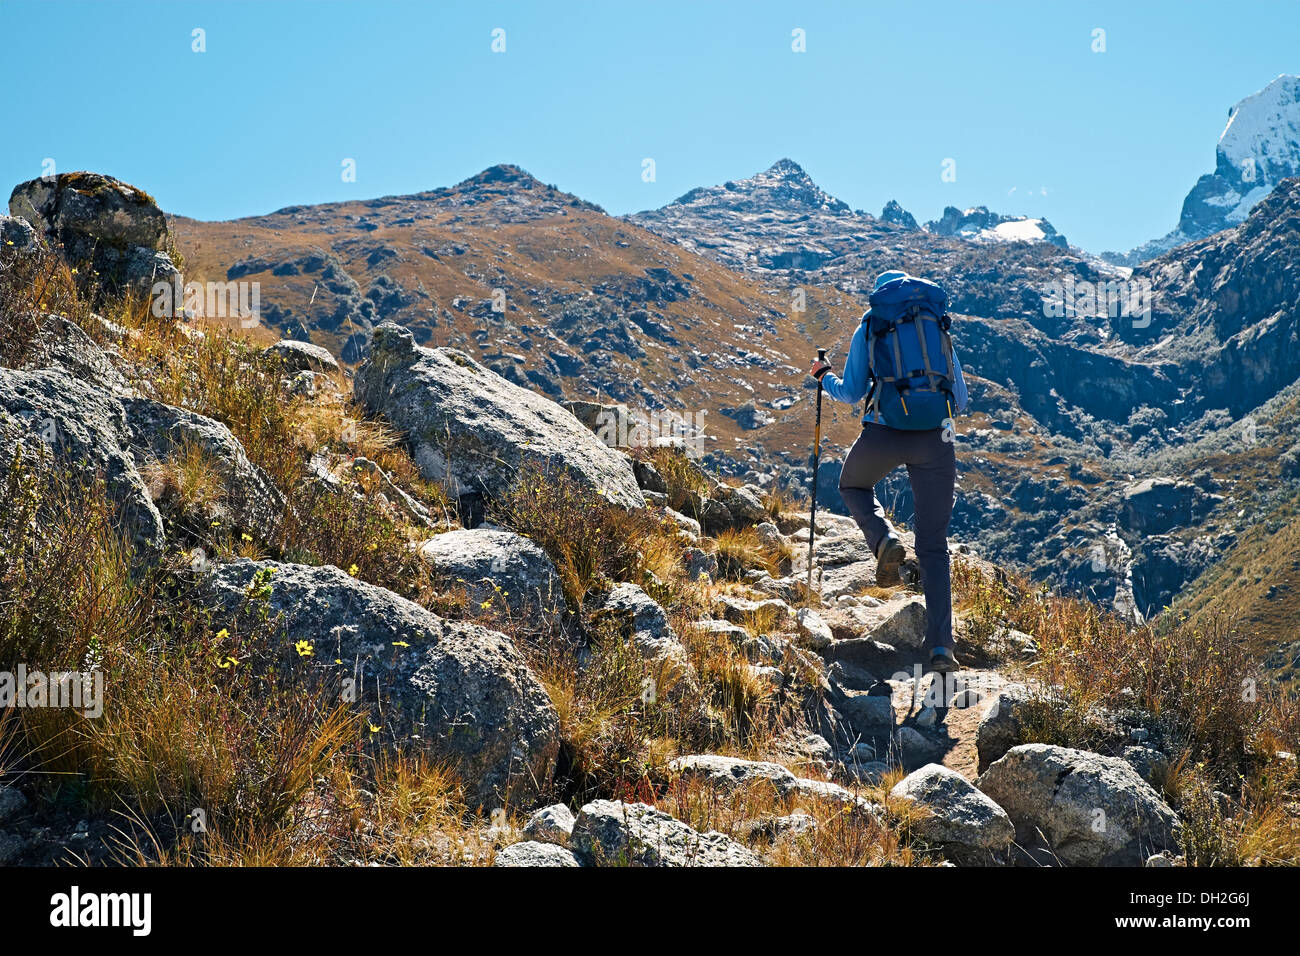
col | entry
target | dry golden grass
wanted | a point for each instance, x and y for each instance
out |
(1221, 719)
(277, 767)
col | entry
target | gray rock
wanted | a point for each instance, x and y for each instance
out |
(118, 229)
(862, 660)
(648, 477)
(64, 346)
(640, 619)
(1088, 809)
(899, 622)
(532, 853)
(84, 429)
(634, 834)
(841, 579)
(866, 712)
(740, 610)
(749, 416)
(1151, 765)
(303, 356)
(551, 824)
(249, 500)
(732, 773)
(715, 517)
(764, 648)
(613, 424)
(813, 631)
(1000, 727)
(700, 562)
(460, 692)
(744, 504)
(1156, 505)
(914, 747)
(684, 523)
(789, 588)
(16, 235)
(969, 826)
(475, 432)
(500, 566)
(773, 828)
(734, 632)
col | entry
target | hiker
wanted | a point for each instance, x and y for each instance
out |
(913, 384)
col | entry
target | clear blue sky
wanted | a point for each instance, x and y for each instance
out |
(709, 89)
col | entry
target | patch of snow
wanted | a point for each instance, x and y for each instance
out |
(1024, 230)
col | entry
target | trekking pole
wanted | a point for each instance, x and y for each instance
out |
(817, 448)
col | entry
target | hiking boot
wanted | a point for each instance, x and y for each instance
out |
(889, 555)
(943, 661)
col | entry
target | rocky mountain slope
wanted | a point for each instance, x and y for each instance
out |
(1105, 449)
(1107, 401)
(539, 285)
(623, 665)
(1259, 147)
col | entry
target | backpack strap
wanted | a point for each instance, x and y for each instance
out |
(899, 371)
(873, 398)
(930, 374)
(945, 323)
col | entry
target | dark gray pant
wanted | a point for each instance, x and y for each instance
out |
(932, 469)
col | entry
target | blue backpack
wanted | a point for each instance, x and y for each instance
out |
(916, 380)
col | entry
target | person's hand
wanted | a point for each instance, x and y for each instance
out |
(819, 368)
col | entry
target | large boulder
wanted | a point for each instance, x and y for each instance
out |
(969, 826)
(1087, 809)
(249, 500)
(99, 220)
(498, 566)
(62, 345)
(744, 504)
(608, 833)
(459, 691)
(82, 429)
(477, 433)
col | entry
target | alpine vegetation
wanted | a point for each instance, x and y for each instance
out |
(719, 524)
(419, 611)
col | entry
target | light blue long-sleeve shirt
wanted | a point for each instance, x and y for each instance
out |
(855, 384)
(852, 388)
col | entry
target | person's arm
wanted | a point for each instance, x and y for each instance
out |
(857, 374)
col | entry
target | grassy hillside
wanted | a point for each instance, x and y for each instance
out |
(594, 306)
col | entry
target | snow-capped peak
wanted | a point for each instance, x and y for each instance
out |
(1261, 142)
(1258, 148)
